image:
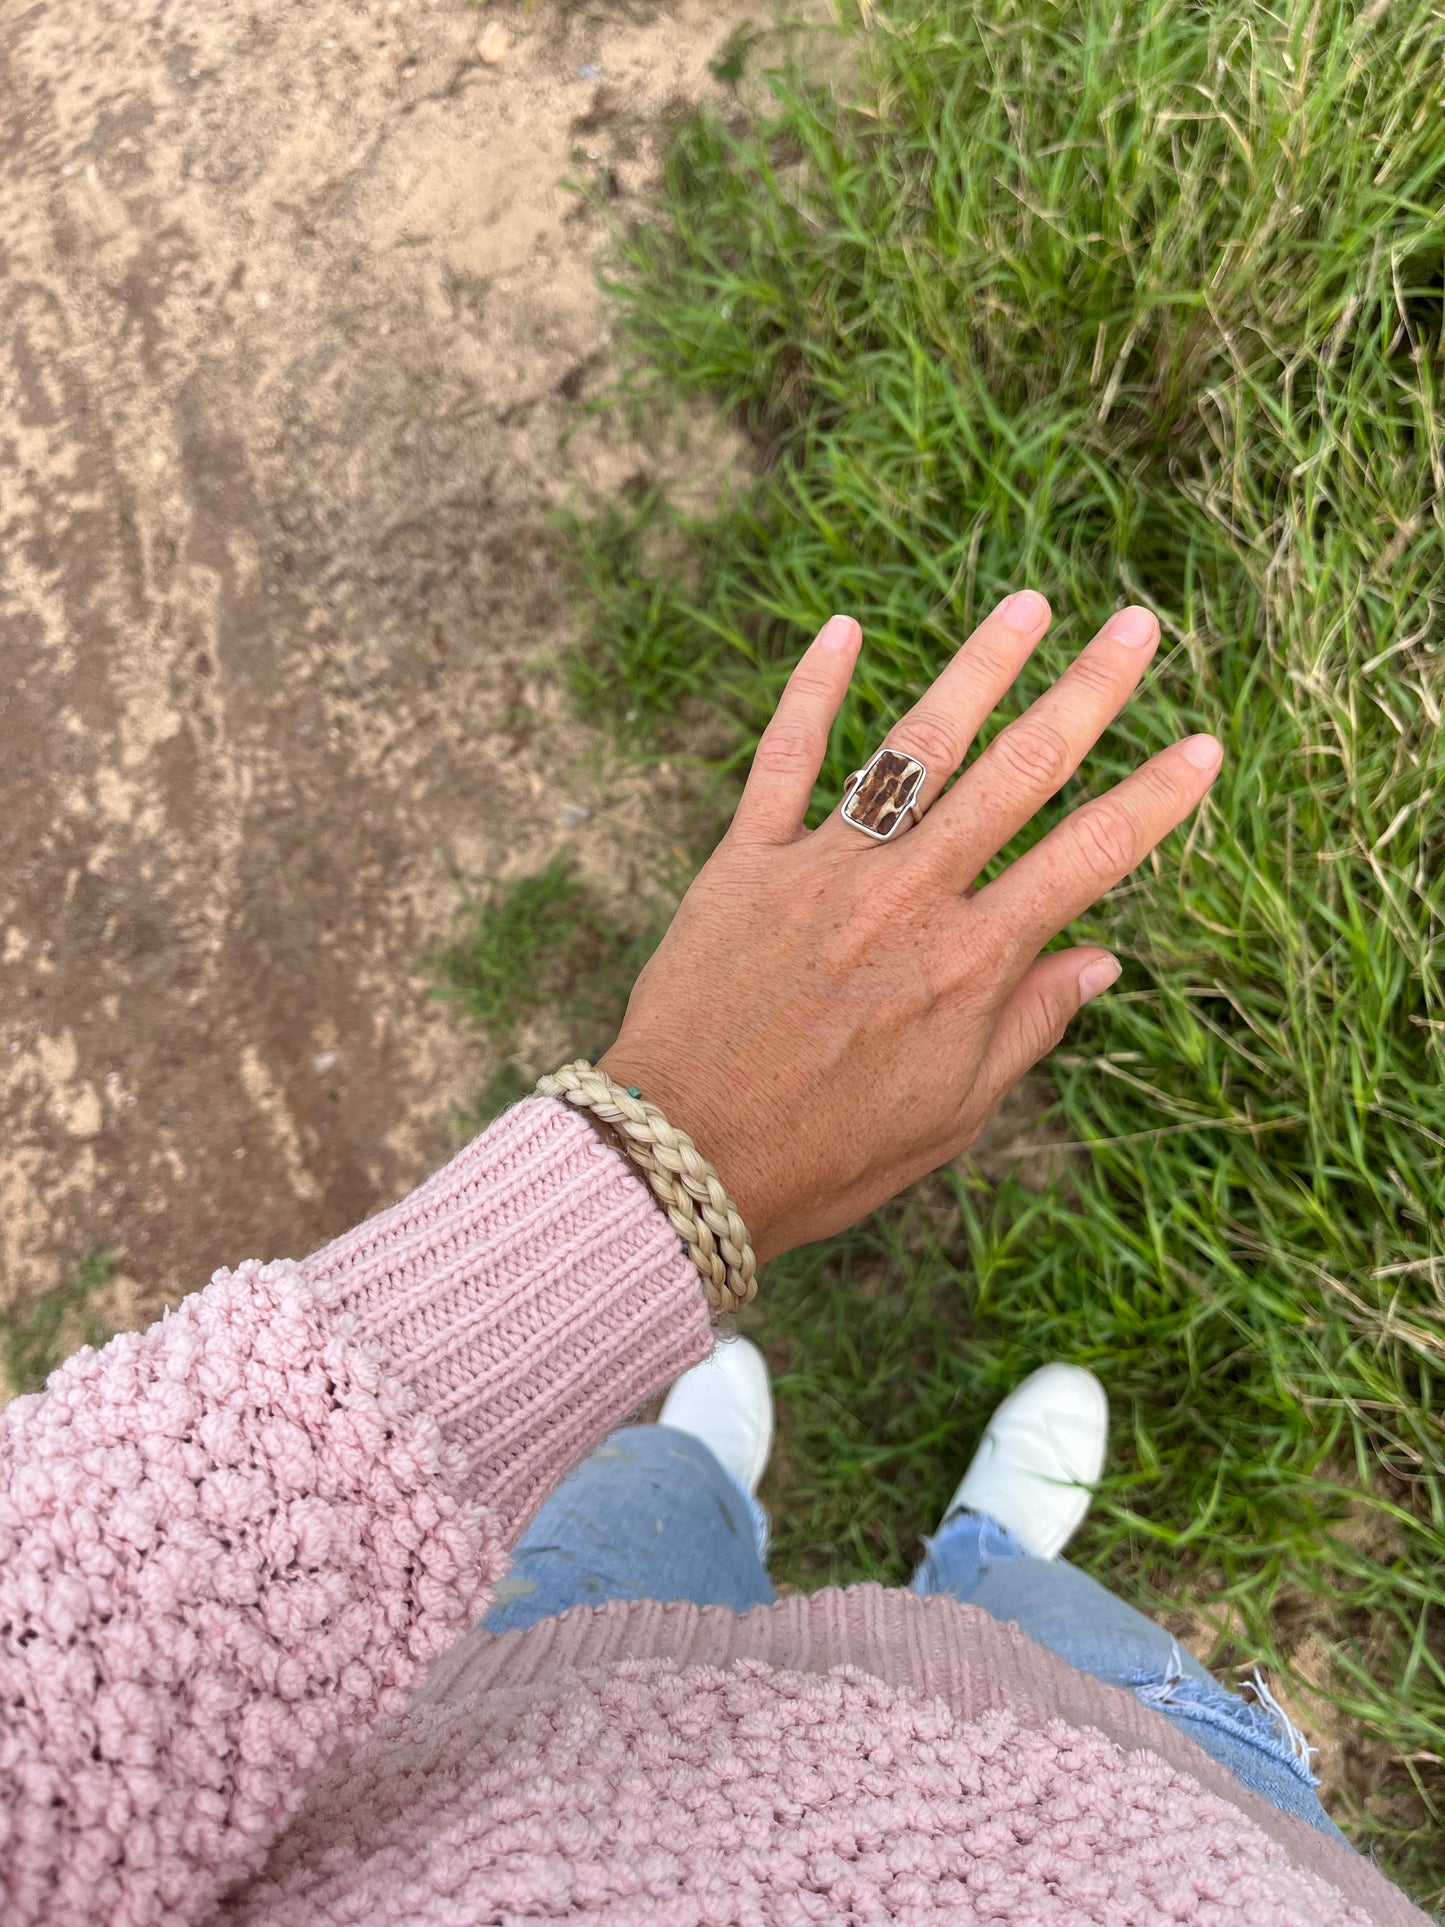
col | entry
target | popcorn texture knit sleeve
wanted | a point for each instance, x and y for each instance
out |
(229, 1544)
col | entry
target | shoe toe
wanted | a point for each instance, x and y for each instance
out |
(727, 1402)
(1041, 1454)
(1073, 1410)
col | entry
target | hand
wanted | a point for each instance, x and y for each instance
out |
(829, 1017)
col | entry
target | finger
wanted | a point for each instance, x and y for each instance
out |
(1039, 1010)
(941, 725)
(790, 750)
(1097, 846)
(1033, 758)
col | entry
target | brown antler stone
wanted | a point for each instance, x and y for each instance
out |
(885, 793)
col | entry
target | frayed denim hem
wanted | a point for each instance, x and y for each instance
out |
(1261, 1723)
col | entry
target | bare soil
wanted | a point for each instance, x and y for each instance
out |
(294, 312)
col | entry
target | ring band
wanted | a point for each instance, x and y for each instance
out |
(882, 797)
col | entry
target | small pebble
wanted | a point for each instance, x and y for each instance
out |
(493, 44)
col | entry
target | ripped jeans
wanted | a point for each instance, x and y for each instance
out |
(652, 1515)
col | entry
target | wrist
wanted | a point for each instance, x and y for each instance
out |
(681, 1176)
(681, 1097)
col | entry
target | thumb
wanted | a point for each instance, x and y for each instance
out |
(1039, 1010)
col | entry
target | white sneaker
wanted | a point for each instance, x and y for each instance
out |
(1040, 1454)
(727, 1402)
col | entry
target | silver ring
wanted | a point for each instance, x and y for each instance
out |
(882, 798)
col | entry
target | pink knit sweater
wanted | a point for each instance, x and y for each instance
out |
(232, 1546)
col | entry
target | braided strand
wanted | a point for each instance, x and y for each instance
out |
(682, 1180)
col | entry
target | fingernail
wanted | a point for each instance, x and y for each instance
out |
(838, 632)
(1097, 976)
(1205, 752)
(1024, 610)
(1135, 628)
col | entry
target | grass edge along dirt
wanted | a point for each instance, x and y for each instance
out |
(1144, 311)
(56, 1324)
(542, 943)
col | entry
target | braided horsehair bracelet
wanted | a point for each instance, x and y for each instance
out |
(682, 1180)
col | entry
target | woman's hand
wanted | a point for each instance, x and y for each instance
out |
(829, 1017)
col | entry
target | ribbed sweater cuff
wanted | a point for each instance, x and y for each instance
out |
(530, 1294)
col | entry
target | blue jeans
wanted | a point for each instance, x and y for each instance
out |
(652, 1515)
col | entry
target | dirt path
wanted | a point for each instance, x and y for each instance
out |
(292, 313)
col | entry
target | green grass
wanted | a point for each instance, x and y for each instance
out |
(1123, 305)
(55, 1325)
(543, 945)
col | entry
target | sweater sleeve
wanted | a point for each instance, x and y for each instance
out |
(230, 1543)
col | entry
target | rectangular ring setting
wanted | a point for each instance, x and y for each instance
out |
(886, 790)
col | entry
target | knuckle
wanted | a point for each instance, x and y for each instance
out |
(989, 663)
(781, 749)
(1090, 674)
(1162, 781)
(1044, 1025)
(812, 688)
(1105, 838)
(1036, 753)
(930, 739)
